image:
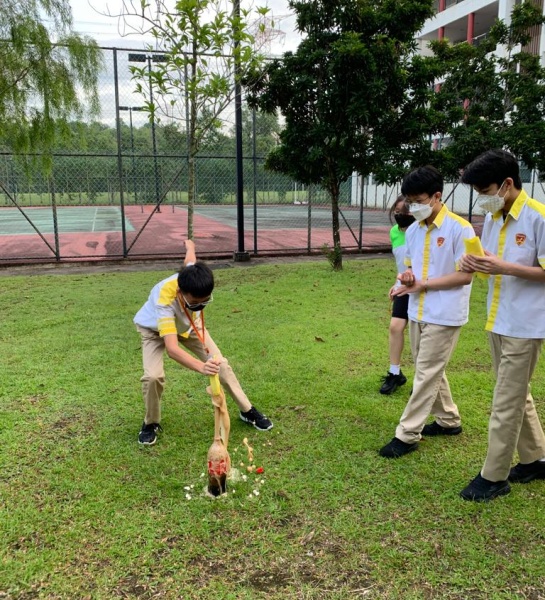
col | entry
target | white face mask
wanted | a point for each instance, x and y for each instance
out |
(491, 202)
(420, 211)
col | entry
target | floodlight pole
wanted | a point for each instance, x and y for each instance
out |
(119, 158)
(240, 255)
(130, 109)
(154, 141)
(147, 58)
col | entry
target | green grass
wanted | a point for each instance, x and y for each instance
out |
(86, 513)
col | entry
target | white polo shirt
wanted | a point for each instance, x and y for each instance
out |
(432, 252)
(162, 311)
(516, 307)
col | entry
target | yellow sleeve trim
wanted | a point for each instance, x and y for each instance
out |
(167, 325)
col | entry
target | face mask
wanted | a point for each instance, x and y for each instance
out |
(421, 211)
(195, 307)
(404, 220)
(490, 202)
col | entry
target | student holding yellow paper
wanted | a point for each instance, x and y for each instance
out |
(474, 247)
(513, 239)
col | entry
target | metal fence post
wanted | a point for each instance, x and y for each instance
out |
(119, 157)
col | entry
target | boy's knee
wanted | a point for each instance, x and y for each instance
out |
(154, 379)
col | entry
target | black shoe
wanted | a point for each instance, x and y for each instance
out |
(397, 448)
(436, 429)
(482, 490)
(525, 473)
(148, 434)
(255, 418)
(391, 382)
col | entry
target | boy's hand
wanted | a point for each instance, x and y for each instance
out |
(467, 264)
(416, 287)
(211, 367)
(407, 278)
(189, 245)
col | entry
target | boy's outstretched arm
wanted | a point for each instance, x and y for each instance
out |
(190, 256)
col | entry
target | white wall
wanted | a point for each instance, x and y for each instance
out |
(456, 196)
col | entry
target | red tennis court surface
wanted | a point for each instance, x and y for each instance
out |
(160, 235)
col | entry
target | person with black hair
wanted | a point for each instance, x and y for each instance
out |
(438, 307)
(173, 315)
(400, 304)
(513, 239)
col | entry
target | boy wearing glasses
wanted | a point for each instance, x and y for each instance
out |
(173, 316)
(438, 307)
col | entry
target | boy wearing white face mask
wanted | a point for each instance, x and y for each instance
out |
(438, 307)
(514, 242)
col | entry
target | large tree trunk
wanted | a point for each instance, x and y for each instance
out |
(336, 255)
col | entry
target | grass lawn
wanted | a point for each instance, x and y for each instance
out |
(86, 513)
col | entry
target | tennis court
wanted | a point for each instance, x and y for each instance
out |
(95, 232)
(81, 219)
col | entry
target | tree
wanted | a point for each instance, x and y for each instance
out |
(346, 78)
(45, 70)
(201, 42)
(490, 95)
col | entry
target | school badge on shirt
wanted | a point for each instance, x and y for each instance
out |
(520, 238)
(440, 241)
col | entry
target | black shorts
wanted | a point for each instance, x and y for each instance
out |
(400, 307)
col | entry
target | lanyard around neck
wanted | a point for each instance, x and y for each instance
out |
(200, 334)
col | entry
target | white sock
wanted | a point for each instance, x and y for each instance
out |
(395, 369)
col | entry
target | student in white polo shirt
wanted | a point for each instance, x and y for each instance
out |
(438, 307)
(514, 242)
(172, 322)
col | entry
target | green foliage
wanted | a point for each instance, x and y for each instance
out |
(492, 95)
(348, 75)
(333, 255)
(45, 67)
(203, 47)
(85, 512)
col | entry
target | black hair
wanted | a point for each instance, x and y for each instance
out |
(404, 209)
(492, 166)
(197, 280)
(424, 180)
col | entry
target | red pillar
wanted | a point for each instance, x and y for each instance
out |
(470, 27)
(442, 6)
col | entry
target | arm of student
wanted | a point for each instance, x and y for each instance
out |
(210, 367)
(190, 255)
(445, 282)
(493, 265)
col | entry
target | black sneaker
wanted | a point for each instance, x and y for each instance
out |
(482, 490)
(391, 382)
(397, 448)
(525, 473)
(148, 434)
(255, 418)
(436, 429)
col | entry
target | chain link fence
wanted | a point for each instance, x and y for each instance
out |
(119, 190)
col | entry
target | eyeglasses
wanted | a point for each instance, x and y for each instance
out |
(197, 305)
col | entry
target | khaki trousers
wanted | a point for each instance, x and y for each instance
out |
(153, 380)
(514, 423)
(431, 346)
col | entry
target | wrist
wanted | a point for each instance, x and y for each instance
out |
(425, 286)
